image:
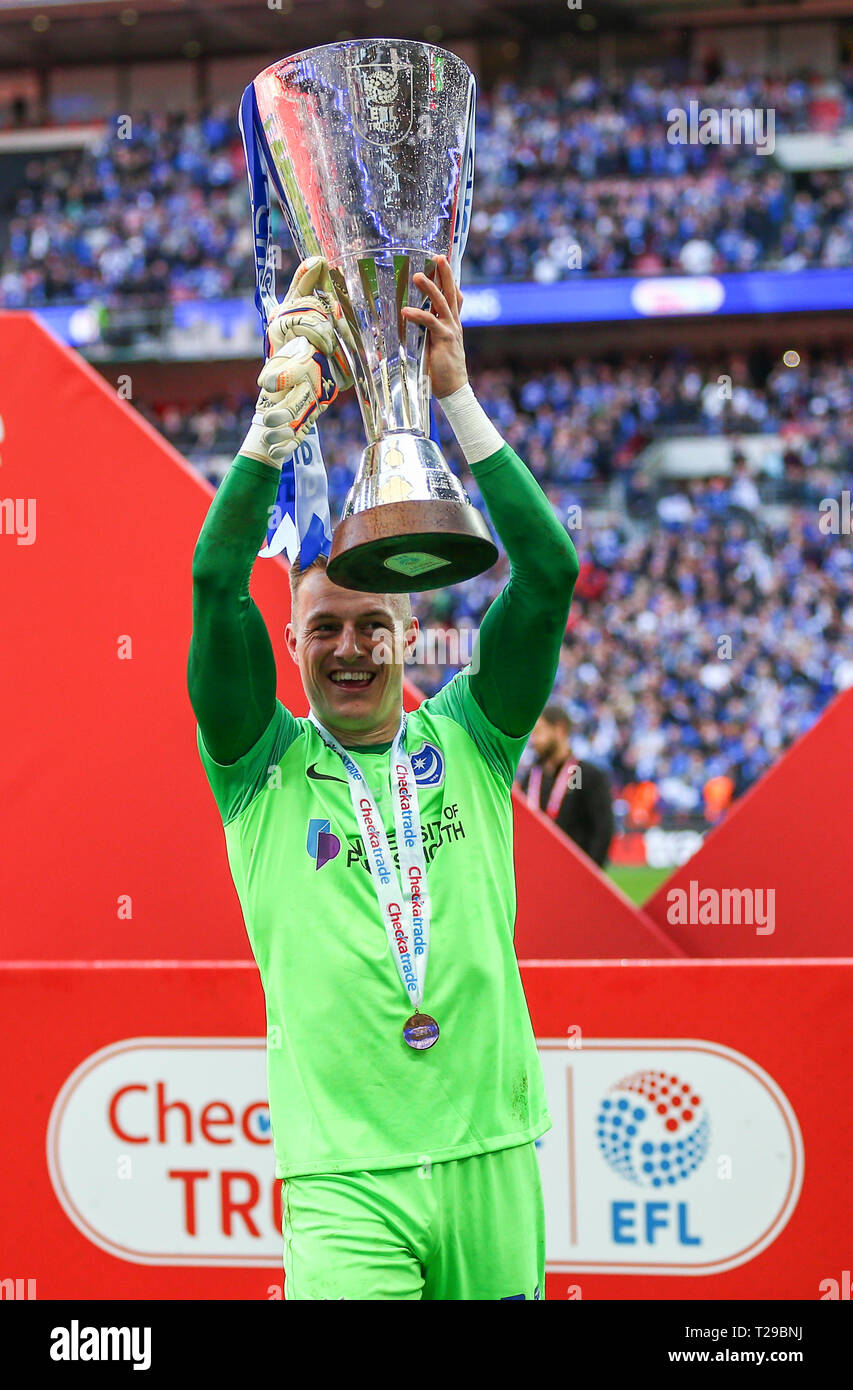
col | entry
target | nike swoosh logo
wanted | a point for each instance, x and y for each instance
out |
(322, 776)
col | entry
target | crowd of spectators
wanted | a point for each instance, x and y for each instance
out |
(588, 422)
(575, 176)
(704, 636)
(703, 652)
(695, 654)
(582, 174)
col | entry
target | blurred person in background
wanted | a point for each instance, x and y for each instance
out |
(576, 795)
(717, 795)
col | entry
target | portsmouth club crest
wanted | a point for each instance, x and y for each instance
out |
(428, 765)
(382, 100)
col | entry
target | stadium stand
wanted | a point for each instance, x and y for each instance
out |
(572, 175)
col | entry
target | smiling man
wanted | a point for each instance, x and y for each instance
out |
(341, 640)
(372, 852)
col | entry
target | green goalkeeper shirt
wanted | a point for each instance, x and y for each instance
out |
(345, 1091)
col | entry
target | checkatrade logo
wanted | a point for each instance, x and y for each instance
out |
(160, 1152)
(322, 844)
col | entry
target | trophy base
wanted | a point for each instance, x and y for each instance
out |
(409, 547)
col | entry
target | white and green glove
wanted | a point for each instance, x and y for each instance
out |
(307, 367)
(296, 387)
(311, 310)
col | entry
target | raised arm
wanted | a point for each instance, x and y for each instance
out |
(516, 656)
(518, 648)
(231, 672)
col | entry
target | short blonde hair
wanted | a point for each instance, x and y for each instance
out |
(400, 603)
(297, 574)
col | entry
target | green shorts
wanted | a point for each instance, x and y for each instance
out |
(468, 1228)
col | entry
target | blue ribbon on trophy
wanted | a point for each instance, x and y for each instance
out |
(300, 524)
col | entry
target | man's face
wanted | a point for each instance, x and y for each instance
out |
(545, 739)
(350, 648)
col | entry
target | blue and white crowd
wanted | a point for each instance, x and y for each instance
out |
(574, 176)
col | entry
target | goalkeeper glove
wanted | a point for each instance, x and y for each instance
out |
(296, 387)
(311, 310)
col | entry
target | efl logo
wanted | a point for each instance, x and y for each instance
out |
(671, 1157)
(653, 1129)
(160, 1152)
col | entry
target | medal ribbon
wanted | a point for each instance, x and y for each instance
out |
(403, 901)
(558, 790)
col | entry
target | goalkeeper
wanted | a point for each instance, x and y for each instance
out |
(406, 1145)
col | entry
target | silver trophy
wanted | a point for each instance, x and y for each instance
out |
(369, 145)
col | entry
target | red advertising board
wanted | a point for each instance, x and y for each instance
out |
(702, 1119)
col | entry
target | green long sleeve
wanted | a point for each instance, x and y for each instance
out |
(518, 650)
(231, 673)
